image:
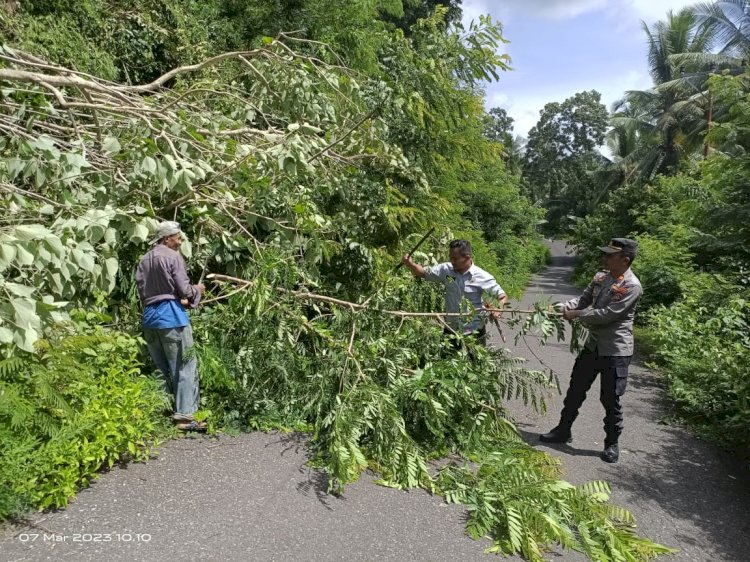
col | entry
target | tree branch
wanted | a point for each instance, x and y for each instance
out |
(305, 295)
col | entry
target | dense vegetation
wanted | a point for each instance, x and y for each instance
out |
(678, 182)
(685, 197)
(304, 146)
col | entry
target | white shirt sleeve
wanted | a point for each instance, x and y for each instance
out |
(489, 285)
(437, 273)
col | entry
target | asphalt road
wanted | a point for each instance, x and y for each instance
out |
(253, 497)
(683, 492)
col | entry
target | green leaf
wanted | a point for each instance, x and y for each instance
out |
(25, 339)
(140, 233)
(110, 236)
(15, 167)
(186, 249)
(57, 283)
(111, 265)
(6, 336)
(23, 255)
(55, 245)
(111, 145)
(25, 316)
(148, 164)
(7, 255)
(20, 290)
(85, 260)
(307, 128)
(28, 232)
(44, 143)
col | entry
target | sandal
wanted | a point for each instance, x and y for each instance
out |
(191, 426)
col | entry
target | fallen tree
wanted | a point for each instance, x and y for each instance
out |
(280, 167)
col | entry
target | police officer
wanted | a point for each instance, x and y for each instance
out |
(606, 307)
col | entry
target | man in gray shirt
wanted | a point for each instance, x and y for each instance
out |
(465, 285)
(607, 308)
(165, 291)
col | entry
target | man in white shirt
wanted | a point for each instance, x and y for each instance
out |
(465, 285)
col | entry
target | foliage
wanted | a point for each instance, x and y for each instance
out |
(498, 127)
(515, 497)
(728, 20)
(703, 343)
(76, 406)
(560, 156)
(662, 266)
(667, 122)
(304, 180)
(662, 213)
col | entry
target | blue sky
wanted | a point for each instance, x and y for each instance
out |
(560, 47)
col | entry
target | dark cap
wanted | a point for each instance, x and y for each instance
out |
(628, 247)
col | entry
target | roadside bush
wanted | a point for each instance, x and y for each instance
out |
(77, 406)
(661, 267)
(703, 343)
(518, 259)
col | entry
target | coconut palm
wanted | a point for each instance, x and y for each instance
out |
(730, 22)
(628, 141)
(665, 118)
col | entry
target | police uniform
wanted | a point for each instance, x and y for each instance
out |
(608, 307)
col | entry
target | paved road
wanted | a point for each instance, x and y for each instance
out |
(253, 498)
(683, 492)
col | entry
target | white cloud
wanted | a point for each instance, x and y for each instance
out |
(472, 9)
(553, 9)
(524, 107)
(652, 10)
(525, 112)
(623, 10)
(497, 99)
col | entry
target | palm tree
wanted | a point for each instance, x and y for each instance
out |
(629, 140)
(730, 21)
(664, 119)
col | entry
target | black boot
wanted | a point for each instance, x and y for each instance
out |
(611, 453)
(561, 434)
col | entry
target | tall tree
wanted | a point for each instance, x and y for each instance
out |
(498, 127)
(414, 10)
(730, 20)
(561, 155)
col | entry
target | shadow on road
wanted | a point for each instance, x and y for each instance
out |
(532, 438)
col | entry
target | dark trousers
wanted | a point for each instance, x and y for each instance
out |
(614, 380)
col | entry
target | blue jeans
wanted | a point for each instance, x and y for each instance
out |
(168, 348)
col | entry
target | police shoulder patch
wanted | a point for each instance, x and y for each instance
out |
(618, 292)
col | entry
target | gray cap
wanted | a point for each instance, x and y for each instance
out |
(166, 228)
(628, 247)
